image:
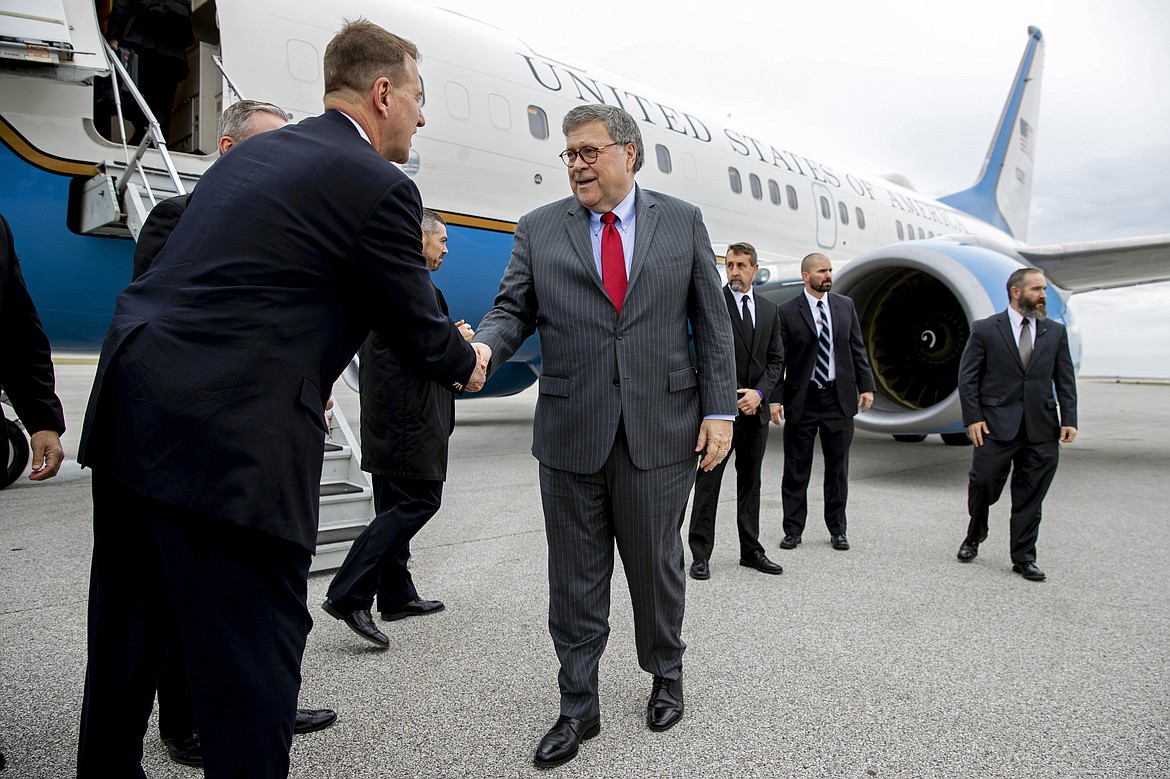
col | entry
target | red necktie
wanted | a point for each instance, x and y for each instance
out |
(613, 261)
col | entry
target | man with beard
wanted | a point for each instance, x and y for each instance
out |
(1012, 364)
(827, 379)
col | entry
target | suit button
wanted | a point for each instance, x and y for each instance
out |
(620, 335)
(617, 382)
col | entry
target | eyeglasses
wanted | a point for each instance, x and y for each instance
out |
(587, 153)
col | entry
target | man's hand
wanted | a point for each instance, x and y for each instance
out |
(47, 455)
(777, 413)
(1067, 434)
(483, 354)
(749, 401)
(976, 432)
(715, 436)
(465, 330)
(864, 401)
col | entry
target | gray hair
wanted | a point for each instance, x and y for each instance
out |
(431, 220)
(620, 125)
(1017, 279)
(236, 121)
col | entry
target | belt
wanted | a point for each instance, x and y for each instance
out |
(831, 385)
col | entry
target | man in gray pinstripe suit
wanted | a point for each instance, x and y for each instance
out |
(612, 277)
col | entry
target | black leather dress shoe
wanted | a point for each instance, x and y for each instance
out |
(791, 541)
(414, 608)
(840, 542)
(360, 622)
(1029, 571)
(761, 563)
(700, 570)
(310, 720)
(665, 707)
(186, 750)
(560, 744)
(968, 551)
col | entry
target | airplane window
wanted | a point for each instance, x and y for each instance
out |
(689, 168)
(663, 158)
(791, 191)
(458, 101)
(843, 210)
(538, 123)
(860, 218)
(901, 236)
(931, 234)
(774, 192)
(736, 182)
(500, 112)
(920, 235)
(757, 187)
(826, 209)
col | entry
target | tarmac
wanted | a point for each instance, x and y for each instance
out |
(889, 660)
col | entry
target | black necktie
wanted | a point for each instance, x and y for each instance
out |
(821, 373)
(748, 324)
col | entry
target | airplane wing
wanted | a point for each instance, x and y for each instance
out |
(1081, 267)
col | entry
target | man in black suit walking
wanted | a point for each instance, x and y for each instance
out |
(827, 379)
(1015, 370)
(759, 365)
(406, 421)
(206, 421)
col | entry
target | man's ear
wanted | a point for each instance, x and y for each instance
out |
(225, 143)
(383, 91)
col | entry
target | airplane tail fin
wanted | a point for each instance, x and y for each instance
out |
(1002, 194)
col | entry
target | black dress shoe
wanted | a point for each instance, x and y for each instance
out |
(700, 570)
(761, 563)
(840, 542)
(414, 608)
(360, 622)
(665, 707)
(791, 541)
(1029, 571)
(186, 750)
(560, 744)
(968, 551)
(310, 720)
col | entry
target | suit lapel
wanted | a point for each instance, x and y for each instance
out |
(737, 325)
(1003, 323)
(577, 228)
(645, 223)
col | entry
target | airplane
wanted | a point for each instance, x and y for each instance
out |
(488, 154)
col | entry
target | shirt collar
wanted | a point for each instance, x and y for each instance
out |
(624, 211)
(353, 121)
(812, 301)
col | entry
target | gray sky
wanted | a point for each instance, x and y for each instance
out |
(917, 87)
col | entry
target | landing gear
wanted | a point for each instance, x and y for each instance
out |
(16, 453)
(956, 439)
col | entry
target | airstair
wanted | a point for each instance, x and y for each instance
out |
(37, 40)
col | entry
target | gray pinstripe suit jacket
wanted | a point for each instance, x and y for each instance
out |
(599, 366)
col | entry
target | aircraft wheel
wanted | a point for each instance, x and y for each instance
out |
(956, 439)
(909, 438)
(16, 453)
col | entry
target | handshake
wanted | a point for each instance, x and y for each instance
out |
(483, 354)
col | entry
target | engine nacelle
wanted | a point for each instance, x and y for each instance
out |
(916, 302)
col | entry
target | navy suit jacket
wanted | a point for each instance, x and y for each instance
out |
(800, 354)
(994, 386)
(211, 386)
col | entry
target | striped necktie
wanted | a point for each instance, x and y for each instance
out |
(821, 373)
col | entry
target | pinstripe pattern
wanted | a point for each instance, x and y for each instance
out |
(620, 405)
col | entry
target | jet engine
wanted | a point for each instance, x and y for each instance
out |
(916, 302)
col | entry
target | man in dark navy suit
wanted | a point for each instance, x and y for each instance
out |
(206, 421)
(759, 365)
(827, 380)
(1015, 370)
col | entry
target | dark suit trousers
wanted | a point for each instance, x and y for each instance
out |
(376, 563)
(176, 710)
(1032, 467)
(749, 440)
(584, 515)
(822, 416)
(234, 599)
